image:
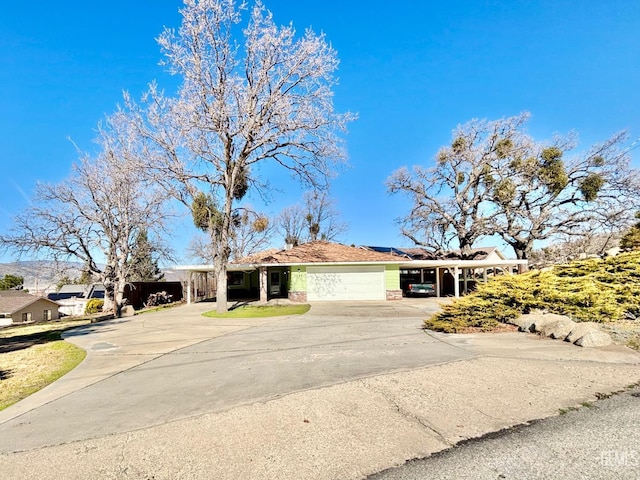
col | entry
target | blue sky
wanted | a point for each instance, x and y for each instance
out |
(412, 70)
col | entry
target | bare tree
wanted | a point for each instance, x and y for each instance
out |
(95, 215)
(291, 223)
(451, 202)
(252, 233)
(316, 219)
(200, 249)
(495, 179)
(543, 192)
(265, 98)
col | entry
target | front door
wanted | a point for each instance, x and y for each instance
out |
(274, 283)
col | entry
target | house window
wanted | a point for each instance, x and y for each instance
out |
(26, 317)
(236, 278)
(46, 315)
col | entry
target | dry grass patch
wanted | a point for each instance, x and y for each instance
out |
(33, 356)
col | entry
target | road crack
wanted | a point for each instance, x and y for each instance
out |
(391, 400)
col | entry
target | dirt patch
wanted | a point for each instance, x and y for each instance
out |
(501, 328)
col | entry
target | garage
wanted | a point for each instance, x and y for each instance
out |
(345, 283)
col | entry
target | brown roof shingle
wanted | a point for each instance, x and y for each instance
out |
(13, 300)
(319, 252)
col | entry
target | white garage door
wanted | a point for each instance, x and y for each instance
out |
(345, 283)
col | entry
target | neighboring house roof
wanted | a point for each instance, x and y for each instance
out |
(95, 290)
(320, 252)
(478, 253)
(77, 289)
(12, 301)
(418, 253)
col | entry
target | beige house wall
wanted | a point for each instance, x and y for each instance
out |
(36, 309)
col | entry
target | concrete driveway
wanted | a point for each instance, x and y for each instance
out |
(158, 367)
(344, 391)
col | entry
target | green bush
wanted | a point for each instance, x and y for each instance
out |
(94, 306)
(589, 290)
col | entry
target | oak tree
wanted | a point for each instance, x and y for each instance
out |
(451, 201)
(495, 179)
(546, 192)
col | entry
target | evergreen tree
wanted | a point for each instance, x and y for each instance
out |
(631, 239)
(143, 267)
(64, 280)
(11, 282)
(86, 277)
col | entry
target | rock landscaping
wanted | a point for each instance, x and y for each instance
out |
(566, 302)
(561, 327)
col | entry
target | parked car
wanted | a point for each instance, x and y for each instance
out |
(425, 289)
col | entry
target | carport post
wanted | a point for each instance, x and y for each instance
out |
(189, 287)
(456, 281)
(466, 280)
(437, 282)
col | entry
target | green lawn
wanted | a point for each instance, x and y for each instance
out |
(33, 356)
(251, 311)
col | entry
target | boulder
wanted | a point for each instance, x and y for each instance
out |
(612, 252)
(558, 329)
(127, 311)
(581, 329)
(536, 322)
(547, 320)
(595, 338)
(524, 322)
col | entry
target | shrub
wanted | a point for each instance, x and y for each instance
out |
(94, 306)
(589, 290)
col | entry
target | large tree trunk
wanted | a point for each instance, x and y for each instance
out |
(523, 252)
(108, 278)
(221, 288)
(465, 250)
(114, 284)
(223, 252)
(109, 297)
(119, 297)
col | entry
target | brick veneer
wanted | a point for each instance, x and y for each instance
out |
(298, 297)
(394, 294)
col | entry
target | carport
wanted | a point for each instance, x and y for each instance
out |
(462, 272)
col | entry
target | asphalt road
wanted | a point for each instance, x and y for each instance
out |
(598, 441)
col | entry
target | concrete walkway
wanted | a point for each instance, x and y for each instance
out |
(341, 392)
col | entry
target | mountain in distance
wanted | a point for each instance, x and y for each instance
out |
(41, 276)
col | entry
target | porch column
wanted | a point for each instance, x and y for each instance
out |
(189, 287)
(484, 275)
(465, 272)
(438, 282)
(456, 281)
(263, 284)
